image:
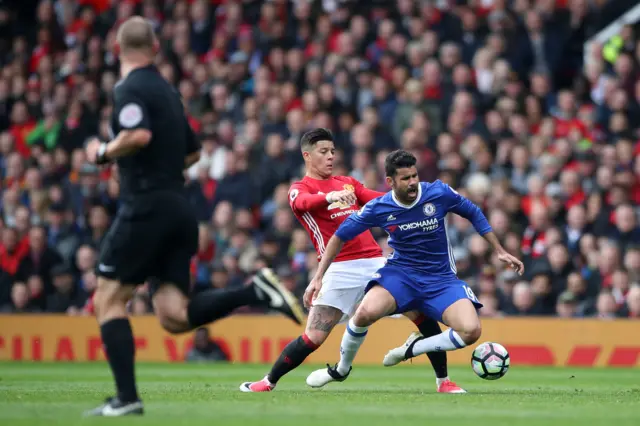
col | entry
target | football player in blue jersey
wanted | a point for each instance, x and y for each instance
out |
(420, 275)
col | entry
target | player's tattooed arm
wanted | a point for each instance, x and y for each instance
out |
(323, 318)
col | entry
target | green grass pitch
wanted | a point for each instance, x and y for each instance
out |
(206, 394)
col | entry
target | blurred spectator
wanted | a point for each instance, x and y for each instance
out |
(524, 300)
(219, 276)
(205, 349)
(40, 258)
(632, 307)
(19, 300)
(606, 305)
(576, 285)
(65, 294)
(567, 305)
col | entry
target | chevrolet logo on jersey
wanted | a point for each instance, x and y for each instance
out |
(426, 225)
(339, 205)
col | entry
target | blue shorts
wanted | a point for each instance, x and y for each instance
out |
(428, 295)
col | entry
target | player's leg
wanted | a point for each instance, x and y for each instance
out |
(340, 293)
(465, 330)
(322, 319)
(110, 300)
(377, 303)
(456, 306)
(179, 314)
(427, 328)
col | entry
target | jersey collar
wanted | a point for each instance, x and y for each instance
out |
(405, 206)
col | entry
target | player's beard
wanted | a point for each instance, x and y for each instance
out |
(405, 196)
(411, 193)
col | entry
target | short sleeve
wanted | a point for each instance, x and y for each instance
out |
(130, 111)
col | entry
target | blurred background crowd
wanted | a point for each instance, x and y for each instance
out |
(494, 97)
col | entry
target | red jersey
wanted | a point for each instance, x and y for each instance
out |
(307, 199)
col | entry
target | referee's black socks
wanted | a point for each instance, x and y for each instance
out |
(210, 305)
(428, 328)
(119, 346)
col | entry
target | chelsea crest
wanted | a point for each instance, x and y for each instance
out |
(429, 209)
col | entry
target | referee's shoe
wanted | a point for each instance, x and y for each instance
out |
(113, 407)
(277, 297)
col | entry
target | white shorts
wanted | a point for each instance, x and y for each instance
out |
(344, 283)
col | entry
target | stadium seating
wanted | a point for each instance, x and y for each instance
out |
(494, 101)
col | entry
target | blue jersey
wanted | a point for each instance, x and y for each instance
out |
(417, 233)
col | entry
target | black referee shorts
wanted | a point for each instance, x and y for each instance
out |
(154, 237)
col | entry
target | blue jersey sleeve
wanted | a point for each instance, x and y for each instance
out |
(357, 223)
(465, 208)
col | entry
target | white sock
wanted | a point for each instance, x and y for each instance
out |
(351, 340)
(446, 341)
(440, 381)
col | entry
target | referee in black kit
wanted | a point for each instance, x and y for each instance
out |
(155, 232)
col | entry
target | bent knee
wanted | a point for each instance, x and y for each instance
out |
(172, 318)
(364, 316)
(170, 324)
(170, 307)
(470, 331)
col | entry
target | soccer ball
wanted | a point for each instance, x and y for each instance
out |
(490, 361)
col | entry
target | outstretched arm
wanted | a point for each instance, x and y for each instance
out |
(465, 208)
(513, 262)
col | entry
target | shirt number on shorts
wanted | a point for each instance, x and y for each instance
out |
(470, 294)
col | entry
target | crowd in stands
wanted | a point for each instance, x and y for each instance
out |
(493, 97)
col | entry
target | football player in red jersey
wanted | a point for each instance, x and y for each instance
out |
(321, 202)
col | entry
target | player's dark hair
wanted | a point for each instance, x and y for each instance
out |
(398, 159)
(314, 136)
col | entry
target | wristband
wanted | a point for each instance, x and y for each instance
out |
(101, 157)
